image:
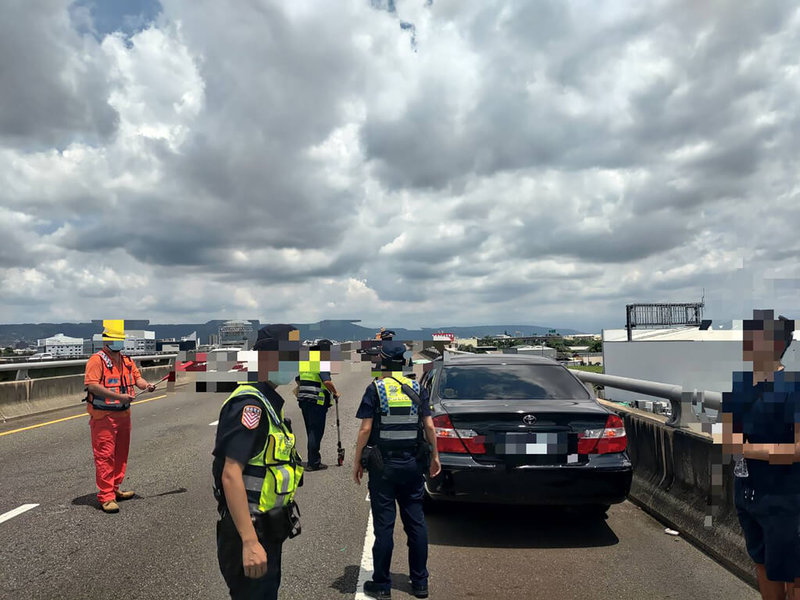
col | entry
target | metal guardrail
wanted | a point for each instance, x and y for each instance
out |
(682, 401)
(22, 368)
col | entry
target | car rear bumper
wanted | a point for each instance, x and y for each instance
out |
(605, 480)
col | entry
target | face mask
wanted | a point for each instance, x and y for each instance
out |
(282, 377)
(116, 345)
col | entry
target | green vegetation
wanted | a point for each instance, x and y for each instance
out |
(467, 348)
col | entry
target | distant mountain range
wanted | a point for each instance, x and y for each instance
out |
(25, 334)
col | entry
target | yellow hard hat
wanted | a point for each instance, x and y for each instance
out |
(113, 329)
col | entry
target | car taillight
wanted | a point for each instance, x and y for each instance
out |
(462, 441)
(610, 439)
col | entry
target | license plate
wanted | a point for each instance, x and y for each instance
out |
(532, 443)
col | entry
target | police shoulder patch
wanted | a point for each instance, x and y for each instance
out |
(251, 416)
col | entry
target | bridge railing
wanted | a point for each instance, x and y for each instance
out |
(688, 406)
(22, 368)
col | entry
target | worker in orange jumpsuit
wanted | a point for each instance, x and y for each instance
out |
(110, 379)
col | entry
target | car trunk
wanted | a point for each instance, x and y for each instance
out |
(551, 439)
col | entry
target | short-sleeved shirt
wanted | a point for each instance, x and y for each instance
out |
(370, 405)
(240, 435)
(324, 376)
(766, 413)
(94, 374)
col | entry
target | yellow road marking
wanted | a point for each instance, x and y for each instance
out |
(148, 399)
(74, 417)
(43, 424)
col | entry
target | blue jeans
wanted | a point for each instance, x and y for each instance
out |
(314, 419)
(401, 482)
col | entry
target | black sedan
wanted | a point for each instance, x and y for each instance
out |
(523, 430)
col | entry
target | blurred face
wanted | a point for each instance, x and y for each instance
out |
(280, 362)
(759, 346)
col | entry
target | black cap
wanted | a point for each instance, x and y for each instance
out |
(387, 334)
(270, 335)
(392, 355)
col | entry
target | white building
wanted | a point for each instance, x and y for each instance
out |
(685, 356)
(61, 346)
(236, 334)
(545, 351)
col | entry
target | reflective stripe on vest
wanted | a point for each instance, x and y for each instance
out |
(114, 380)
(271, 477)
(400, 420)
(310, 388)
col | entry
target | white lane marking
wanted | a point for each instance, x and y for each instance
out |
(213, 424)
(366, 568)
(16, 512)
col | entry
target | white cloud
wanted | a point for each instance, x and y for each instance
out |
(497, 162)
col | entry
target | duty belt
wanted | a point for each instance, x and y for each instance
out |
(399, 454)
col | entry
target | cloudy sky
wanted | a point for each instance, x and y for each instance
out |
(405, 162)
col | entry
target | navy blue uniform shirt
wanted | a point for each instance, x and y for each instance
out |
(371, 405)
(240, 434)
(766, 413)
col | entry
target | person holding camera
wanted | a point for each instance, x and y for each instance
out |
(257, 471)
(397, 445)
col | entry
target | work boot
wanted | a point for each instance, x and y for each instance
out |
(124, 495)
(376, 590)
(319, 467)
(110, 507)
(420, 591)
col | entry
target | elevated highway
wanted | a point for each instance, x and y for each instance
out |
(162, 544)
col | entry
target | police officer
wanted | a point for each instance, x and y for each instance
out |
(396, 423)
(314, 391)
(256, 471)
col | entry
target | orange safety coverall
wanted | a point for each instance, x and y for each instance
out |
(110, 429)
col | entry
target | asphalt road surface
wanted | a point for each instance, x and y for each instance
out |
(161, 545)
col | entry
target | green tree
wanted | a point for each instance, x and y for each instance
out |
(596, 346)
(558, 344)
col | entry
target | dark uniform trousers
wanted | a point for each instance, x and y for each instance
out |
(314, 418)
(402, 481)
(229, 554)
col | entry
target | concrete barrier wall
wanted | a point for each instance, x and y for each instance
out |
(33, 396)
(672, 480)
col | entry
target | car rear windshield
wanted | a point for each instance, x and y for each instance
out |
(509, 382)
